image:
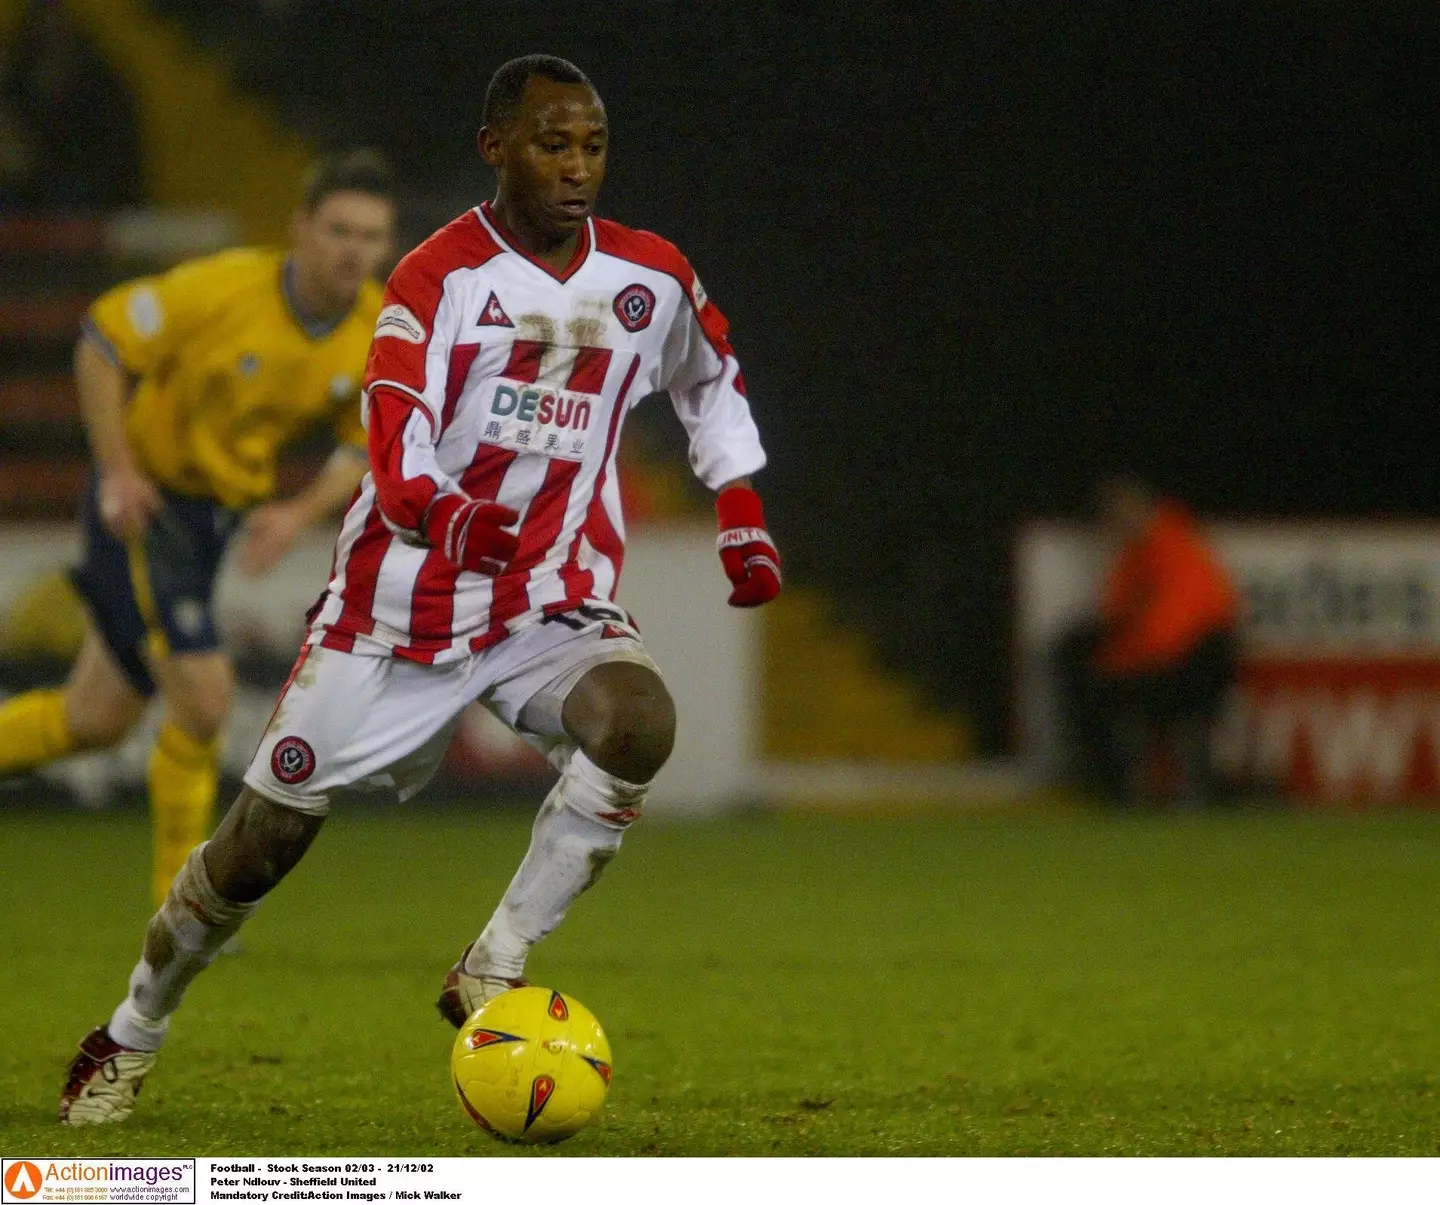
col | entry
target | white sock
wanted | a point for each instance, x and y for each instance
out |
(576, 834)
(182, 939)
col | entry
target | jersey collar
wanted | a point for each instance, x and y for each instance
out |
(507, 240)
(313, 328)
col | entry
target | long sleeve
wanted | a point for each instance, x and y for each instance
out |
(707, 389)
(402, 462)
(405, 394)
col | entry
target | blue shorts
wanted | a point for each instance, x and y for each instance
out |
(157, 594)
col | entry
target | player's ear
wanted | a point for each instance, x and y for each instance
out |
(490, 145)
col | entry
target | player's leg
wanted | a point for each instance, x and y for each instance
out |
(172, 577)
(216, 890)
(183, 773)
(341, 721)
(622, 719)
(617, 726)
(109, 683)
(1136, 711)
(95, 709)
(1081, 705)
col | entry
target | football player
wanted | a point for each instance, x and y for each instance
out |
(190, 383)
(479, 560)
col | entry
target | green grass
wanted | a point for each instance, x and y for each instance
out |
(1256, 984)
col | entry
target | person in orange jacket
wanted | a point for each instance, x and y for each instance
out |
(1157, 660)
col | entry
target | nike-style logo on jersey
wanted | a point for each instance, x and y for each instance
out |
(524, 404)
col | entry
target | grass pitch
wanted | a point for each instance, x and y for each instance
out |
(1253, 984)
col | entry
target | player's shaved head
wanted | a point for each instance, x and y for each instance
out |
(507, 85)
(546, 138)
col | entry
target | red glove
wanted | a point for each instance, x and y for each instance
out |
(470, 533)
(746, 550)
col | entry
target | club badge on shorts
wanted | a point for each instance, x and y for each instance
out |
(293, 761)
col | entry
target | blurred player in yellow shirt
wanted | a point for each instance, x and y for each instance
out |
(190, 385)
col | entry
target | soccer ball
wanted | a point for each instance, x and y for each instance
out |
(532, 1065)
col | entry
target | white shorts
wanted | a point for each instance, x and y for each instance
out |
(363, 723)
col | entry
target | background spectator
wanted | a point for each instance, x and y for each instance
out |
(1155, 663)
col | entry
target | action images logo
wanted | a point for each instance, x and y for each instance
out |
(167, 1181)
(22, 1180)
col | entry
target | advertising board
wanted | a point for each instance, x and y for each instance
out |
(1338, 696)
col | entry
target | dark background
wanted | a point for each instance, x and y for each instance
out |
(977, 254)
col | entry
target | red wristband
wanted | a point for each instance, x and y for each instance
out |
(437, 518)
(739, 506)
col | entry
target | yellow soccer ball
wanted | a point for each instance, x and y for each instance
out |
(532, 1065)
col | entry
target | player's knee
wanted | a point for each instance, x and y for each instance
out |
(630, 726)
(98, 721)
(200, 707)
(257, 844)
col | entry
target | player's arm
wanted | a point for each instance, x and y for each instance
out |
(272, 529)
(747, 553)
(404, 405)
(128, 499)
(332, 487)
(704, 381)
(130, 331)
(419, 501)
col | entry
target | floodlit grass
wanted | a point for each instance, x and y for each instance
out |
(1252, 984)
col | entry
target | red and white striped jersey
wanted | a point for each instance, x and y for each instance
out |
(493, 376)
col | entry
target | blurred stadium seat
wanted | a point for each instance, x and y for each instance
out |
(52, 265)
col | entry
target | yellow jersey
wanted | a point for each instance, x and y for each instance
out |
(229, 373)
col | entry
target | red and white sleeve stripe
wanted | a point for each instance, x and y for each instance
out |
(698, 368)
(709, 396)
(411, 352)
(416, 372)
(402, 461)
